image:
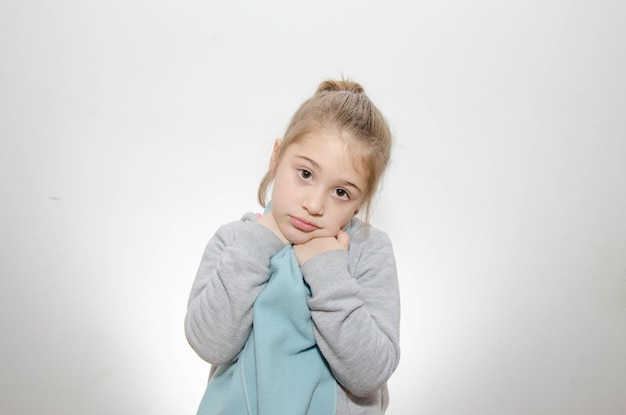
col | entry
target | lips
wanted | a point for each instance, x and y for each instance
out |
(302, 224)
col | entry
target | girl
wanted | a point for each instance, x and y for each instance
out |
(298, 309)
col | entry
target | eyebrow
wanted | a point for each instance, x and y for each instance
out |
(317, 166)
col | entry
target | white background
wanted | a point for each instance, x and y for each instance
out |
(130, 130)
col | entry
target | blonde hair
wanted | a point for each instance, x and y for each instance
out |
(341, 107)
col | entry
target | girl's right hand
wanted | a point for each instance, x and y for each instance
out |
(269, 222)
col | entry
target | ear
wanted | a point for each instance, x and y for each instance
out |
(356, 212)
(274, 159)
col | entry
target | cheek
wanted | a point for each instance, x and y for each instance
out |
(279, 190)
(343, 219)
(278, 201)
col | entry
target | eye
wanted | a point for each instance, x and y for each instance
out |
(342, 194)
(305, 174)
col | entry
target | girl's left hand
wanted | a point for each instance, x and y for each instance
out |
(316, 246)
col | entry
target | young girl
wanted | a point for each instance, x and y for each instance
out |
(298, 309)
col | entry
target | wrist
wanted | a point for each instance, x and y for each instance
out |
(325, 267)
(260, 242)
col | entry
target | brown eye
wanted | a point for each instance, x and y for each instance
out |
(305, 174)
(342, 193)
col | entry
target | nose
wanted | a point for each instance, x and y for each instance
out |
(313, 202)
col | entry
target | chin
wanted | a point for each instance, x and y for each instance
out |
(296, 237)
(299, 240)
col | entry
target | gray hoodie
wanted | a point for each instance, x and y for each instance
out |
(355, 306)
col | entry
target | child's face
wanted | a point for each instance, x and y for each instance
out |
(317, 188)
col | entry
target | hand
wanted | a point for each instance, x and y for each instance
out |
(316, 246)
(269, 222)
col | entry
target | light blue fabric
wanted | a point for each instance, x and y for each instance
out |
(280, 369)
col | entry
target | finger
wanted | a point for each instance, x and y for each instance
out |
(343, 238)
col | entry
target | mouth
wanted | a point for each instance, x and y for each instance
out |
(302, 224)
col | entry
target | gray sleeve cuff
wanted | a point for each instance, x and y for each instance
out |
(258, 242)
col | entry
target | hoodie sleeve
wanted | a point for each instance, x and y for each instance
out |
(355, 306)
(233, 271)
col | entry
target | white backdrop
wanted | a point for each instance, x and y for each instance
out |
(130, 130)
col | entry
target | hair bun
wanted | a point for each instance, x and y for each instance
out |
(342, 85)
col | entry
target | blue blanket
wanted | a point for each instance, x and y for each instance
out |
(280, 370)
